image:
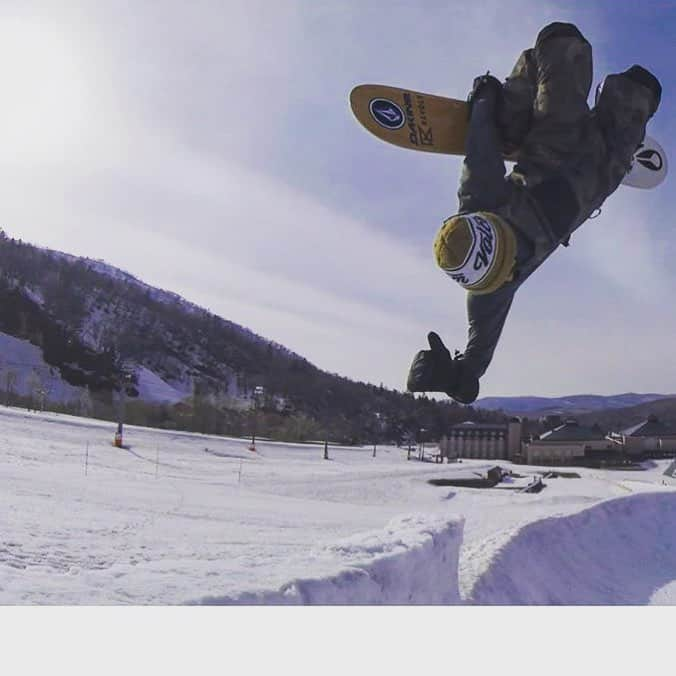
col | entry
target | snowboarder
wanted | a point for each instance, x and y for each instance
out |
(569, 160)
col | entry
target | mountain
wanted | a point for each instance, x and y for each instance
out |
(577, 404)
(74, 327)
(619, 419)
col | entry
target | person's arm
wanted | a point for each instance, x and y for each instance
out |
(486, 315)
(482, 182)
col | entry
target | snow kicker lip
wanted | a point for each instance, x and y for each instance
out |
(617, 552)
(413, 561)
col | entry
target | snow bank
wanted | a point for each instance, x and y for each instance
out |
(414, 560)
(152, 388)
(618, 552)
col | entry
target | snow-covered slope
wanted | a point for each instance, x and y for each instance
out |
(153, 389)
(24, 371)
(79, 308)
(184, 518)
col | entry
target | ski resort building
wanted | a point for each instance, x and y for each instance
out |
(482, 441)
(572, 443)
(651, 437)
(567, 444)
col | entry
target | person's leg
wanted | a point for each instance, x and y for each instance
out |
(624, 104)
(563, 59)
(538, 110)
(563, 62)
(548, 84)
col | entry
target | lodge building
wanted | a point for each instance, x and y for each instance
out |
(651, 437)
(483, 441)
(566, 444)
(571, 443)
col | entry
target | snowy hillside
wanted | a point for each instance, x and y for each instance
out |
(147, 332)
(183, 518)
(102, 329)
(23, 368)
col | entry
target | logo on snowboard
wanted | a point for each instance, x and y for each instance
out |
(387, 114)
(650, 159)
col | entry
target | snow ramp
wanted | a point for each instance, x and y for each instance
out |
(617, 552)
(414, 560)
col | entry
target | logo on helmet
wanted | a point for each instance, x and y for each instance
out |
(485, 247)
(387, 114)
(481, 253)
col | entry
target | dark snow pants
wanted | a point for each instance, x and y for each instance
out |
(544, 99)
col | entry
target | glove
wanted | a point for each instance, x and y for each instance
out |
(432, 370)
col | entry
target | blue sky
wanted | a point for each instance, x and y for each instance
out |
(208, 148)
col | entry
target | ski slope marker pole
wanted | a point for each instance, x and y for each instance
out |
(86, 458)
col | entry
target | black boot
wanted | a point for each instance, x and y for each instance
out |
(434, 370)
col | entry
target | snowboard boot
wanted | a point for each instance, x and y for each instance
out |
(434, 370)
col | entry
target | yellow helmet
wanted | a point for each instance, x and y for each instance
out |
(477, 250)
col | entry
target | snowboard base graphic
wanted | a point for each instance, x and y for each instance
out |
(436, 124)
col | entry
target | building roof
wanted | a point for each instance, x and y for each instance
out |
(471, 425)
(652, 427)
(572, 431)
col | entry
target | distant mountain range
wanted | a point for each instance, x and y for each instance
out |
(573, 405)
(622, 418)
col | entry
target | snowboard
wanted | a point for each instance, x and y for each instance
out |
(436, 124)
